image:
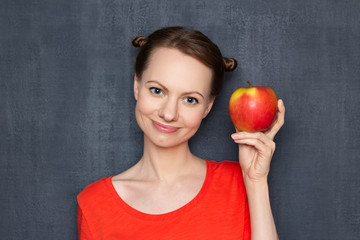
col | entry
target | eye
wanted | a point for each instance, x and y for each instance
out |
(156, 91)
(191, 100)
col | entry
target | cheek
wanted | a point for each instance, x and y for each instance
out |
(193, 120)
(144, 106)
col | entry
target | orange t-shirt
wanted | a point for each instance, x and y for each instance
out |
(219, 211)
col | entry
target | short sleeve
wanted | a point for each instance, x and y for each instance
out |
(83, 227)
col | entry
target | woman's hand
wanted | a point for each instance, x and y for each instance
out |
(256, 149)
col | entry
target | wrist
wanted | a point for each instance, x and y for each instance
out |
(256, 187)
(253, 182)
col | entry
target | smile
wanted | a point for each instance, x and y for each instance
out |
(164, 128)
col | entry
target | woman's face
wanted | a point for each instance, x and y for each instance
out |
(173, 96)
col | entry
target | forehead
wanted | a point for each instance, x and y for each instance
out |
(172, 67)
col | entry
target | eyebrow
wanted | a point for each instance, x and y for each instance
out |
(186, 93)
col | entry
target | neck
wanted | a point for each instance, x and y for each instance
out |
(159, 163)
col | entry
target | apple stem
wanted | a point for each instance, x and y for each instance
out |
(249, 83)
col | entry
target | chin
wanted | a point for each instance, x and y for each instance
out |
(164, 141)
(168, 141)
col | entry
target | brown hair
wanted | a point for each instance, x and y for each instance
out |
(189, 42)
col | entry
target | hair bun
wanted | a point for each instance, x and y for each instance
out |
(230, 64)
(139, 41)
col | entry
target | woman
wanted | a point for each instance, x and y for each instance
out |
(171, 193)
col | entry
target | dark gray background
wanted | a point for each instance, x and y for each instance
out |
(67, 106)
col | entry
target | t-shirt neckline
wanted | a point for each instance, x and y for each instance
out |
(163, 216)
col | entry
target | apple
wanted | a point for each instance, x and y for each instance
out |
(253, 108)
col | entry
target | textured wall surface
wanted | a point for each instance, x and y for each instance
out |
(67, 107)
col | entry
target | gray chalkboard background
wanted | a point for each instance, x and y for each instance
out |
(67, 106)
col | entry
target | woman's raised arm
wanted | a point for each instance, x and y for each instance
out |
(255, 153)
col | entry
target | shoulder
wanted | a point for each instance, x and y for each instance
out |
(95, 204)
(94, 192)
(225, 167)
(227, 174)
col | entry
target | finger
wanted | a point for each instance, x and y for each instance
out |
(278, 122)
(259, 145)
(257, 135)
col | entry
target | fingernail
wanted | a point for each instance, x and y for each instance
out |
(234, 135)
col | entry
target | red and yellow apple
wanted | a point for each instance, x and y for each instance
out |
(253, 108)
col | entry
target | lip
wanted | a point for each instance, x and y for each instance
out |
(164, 128)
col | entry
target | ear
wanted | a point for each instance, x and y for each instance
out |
(136, 87)
(209, 106)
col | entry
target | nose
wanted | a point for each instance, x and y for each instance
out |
(169, 110)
